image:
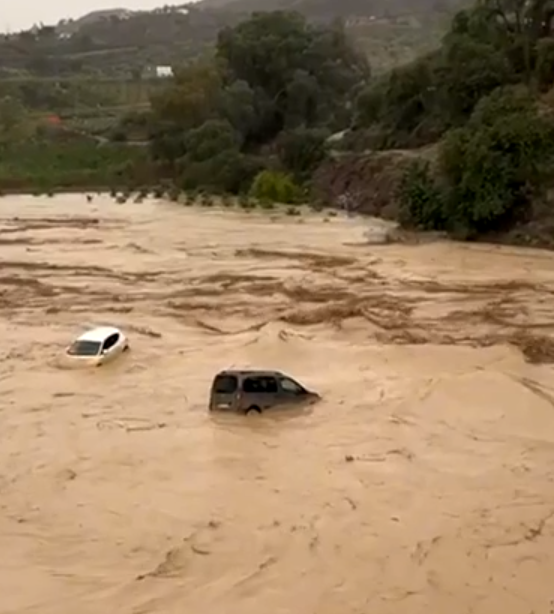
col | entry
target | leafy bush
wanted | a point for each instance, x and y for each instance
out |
(276, 187)
(497, 164)
(421, 200)
(210, 139)
(229, 171)
(302, 150)
(492, 170)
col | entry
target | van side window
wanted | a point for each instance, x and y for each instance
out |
(111, 341)
(289, 385)
(260, 384)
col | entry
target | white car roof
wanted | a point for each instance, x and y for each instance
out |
(98, 334)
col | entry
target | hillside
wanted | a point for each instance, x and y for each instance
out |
(124, 44)
(112, 45)
(460, 140)
(331, 8)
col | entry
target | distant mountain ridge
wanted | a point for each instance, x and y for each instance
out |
(391, 8)
(344, 8)
(120, 42)
(71, 26)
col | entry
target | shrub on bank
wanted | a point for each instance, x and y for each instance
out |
(228, 172)
(490, 171)
(276, 187)
(421, 200)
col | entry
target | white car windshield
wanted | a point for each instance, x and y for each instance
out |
(85, 348)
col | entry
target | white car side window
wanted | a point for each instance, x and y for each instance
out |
(111, 341)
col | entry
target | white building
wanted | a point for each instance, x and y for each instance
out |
(164, 71)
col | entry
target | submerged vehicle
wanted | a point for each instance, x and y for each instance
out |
(254, 391)
(98, 346)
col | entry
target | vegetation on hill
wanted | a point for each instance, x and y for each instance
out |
(479, 94)
(36, 156)
(126, 43)
(114, 46)
(274, 92)
(487, 46)
(278, 87)
(255, 116)
(97, 69)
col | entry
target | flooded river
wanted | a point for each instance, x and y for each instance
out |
(422, 483)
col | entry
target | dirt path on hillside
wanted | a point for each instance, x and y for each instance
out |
(423, 482)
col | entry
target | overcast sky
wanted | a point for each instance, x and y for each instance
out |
(20, 14)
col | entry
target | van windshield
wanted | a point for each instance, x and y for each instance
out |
(225, 384)
(84, 348)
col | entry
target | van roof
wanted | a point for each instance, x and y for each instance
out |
(247, 372)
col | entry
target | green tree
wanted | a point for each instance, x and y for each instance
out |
(490, 171)
(191, 97)
(497, 164)
(272, 186)
(470, 70)
(302, 75)
(544, 69)
(421, 200)
(302, 150)
(209, 140)
(213, 159)
(272, 74)
(492, 44)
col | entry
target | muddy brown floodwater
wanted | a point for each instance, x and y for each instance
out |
(422, 483)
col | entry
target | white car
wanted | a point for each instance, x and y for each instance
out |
(98, 346)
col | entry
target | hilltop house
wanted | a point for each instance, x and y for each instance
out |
(160, 72)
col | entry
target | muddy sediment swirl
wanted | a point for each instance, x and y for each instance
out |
(423, 481)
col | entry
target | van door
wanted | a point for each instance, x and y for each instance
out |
(291, 391)
(260, 391)
(224, 392)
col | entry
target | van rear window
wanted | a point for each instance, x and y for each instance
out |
(225, 384)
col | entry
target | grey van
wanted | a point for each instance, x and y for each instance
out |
(255, 391)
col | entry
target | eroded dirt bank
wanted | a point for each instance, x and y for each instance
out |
(423, 483)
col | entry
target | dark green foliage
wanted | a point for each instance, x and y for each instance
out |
(277, 82)
(109, 43)
(255, 118)
(545, 63)
(210, 140)
(490, 171)
(421, 201)
(229, 171)
(498, 163)
(276, 187)
(302, 150)
(495, 43)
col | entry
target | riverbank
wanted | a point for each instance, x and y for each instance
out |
(362, 185)
(369, 184)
